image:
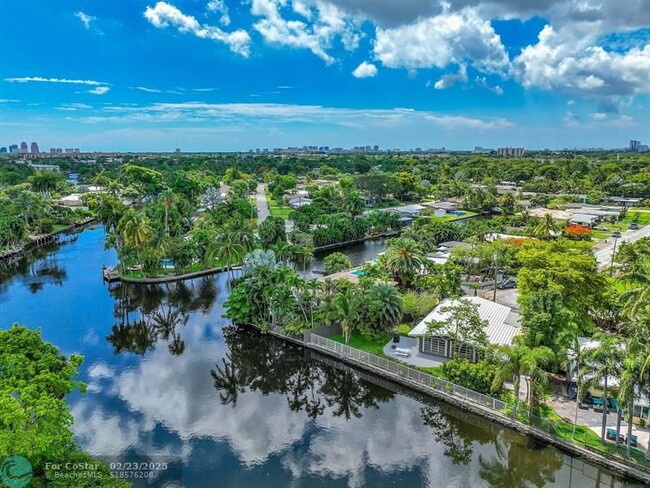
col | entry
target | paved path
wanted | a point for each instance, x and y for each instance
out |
(262, 206)
(603, 252)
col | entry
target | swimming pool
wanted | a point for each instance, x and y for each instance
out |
(358, 272)
(167, 263)
(457, 213)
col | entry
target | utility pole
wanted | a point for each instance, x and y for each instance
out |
(616, 235)
(496, 274)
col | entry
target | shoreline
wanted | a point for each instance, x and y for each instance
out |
(42, 240)
(628, 471)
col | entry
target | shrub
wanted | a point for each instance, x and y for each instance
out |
(474, 376)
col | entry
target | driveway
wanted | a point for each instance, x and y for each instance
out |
(262, 206)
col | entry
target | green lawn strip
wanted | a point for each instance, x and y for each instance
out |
(59, 227)
(376, 347)
(160, 272)
(586, 437)
(282, 212)
(644, 217)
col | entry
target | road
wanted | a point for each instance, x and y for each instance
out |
(603, 252)
(262, 206)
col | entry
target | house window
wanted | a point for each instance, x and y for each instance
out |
(465, 351)
(435, 345)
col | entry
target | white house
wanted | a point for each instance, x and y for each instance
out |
(500, 330)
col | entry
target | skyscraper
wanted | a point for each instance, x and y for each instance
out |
(3, 150)
(13, 149)
(34, 149)
(23, 148)
(634, 145)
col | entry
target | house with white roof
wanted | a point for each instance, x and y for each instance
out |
(500, 330)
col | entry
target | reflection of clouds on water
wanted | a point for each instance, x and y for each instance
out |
(178, 393)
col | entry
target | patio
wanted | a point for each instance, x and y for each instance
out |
(415, 357)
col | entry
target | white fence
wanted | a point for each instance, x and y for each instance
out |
(410, 373)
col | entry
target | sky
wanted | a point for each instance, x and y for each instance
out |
(230, 75)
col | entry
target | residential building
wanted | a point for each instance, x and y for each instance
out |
(500, 330)
(23, 148)
(515, 152)
(634, 145)
(13, 149)
(34, 148)
(3, 150)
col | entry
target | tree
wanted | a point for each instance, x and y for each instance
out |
(135, 230)
(345, 310)
(336, 262)
(227, 250)
(546, 321)
(386, 306)
(546, 228)
(463, 324)
(44, 182)
(636, 299)
(403, 260)
(603, 361)
(34, 417)
(272, 231)
(211, 199)
(521, 361)
(168, 199)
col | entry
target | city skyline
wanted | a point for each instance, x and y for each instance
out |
(231, 76)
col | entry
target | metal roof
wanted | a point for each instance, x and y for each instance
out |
(498, 331)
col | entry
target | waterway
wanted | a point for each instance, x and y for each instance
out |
(170, 380)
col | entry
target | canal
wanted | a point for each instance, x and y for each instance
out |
(170, 380)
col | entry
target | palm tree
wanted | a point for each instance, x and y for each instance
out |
(44, 182)
(602, 362)
(524, 362)
(404, 259)
(227, 250)
(245, 236)
(302, 255)
(546, 227)
(135, 230)
(283, 251)
(637, 299)
(387, 305)
(345, 310)
(168, 199)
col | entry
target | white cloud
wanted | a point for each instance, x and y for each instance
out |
(449, 38)
(100, 90)
(39, 79)
(72, 107)
(163, 15)
(365, 70)
(221, 7)
(598, 116)
(148, 90)
(560, 61)
(85, 18)
(483, 83)
(450, 79)
(325, 23)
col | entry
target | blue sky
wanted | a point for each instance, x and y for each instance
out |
(208, 75)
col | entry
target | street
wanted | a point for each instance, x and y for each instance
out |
(603, 251)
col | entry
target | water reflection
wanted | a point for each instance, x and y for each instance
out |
(307, 385)
(148, 314)
(35, 274)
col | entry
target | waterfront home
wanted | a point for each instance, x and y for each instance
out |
(298, 202)
(501, 328)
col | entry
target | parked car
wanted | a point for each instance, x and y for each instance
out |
(601, 227)
(506, 284)
(634, 226)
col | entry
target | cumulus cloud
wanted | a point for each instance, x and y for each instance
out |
(85, 18)
(450, 79)
(365, 70)
(100, 90)
(450, 38)
(324, 23)
(561, 62)
(163, 15)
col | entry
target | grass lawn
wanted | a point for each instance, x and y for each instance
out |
(59, 227)
(376, 347)
(137, 273)
(587, 437)
(277, 210)
(644, 217)
(448, 217)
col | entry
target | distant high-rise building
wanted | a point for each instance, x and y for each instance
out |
(69, 150)
(23, 148)
(13, 149)
(34, 148)
(178, 149)
(515, 152)
(59, 150)
(3, 150)
(634, 145)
